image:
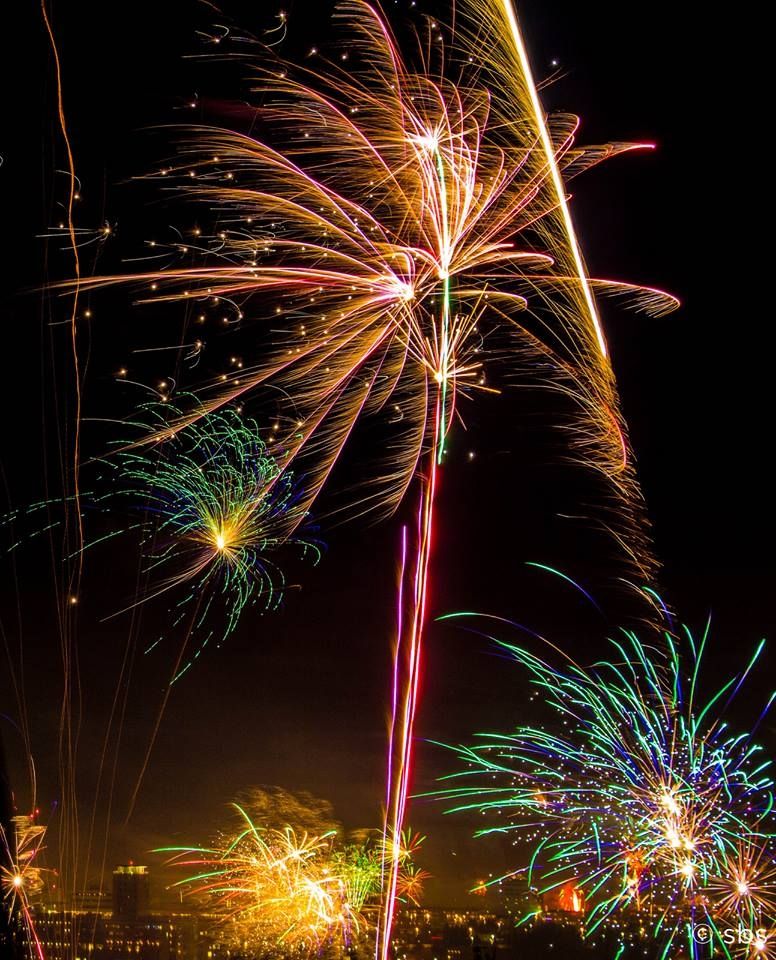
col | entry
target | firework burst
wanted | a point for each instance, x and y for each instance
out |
(743, 887)
(397, 278)
(645, 802)
(22, 875)
(214, 506)
(269, 887)
(279, 889)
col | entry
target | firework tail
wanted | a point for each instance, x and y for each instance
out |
(412, 600)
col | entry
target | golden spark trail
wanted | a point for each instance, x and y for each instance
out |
(68, 732)
(557, 180)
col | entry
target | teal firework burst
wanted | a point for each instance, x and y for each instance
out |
(214, 507)
(639, 799)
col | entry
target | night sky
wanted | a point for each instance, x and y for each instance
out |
(298, 698)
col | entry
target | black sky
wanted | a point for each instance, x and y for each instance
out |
(298, 698)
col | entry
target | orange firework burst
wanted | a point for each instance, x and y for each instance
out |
(745, 885)
(394, 240)
(21, 873)
(272, 888)
(282, 890)
(411, 883)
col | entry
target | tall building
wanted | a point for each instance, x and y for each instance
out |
(131, 892)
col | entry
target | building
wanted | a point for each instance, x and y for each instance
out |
(89, 936)
(131, 892)
(435, 934)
